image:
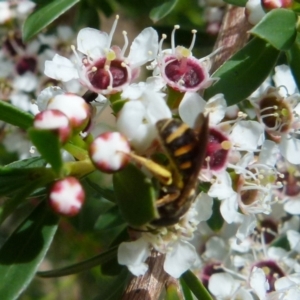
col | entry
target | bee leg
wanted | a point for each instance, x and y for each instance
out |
(167, 198)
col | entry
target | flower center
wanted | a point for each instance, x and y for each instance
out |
(103, 75)
(272, 272)
(186, 72)
(26, 64)
(275, 114)
(217, 149)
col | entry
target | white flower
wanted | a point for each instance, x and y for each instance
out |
(224, 287)
(104, 68)
(254, 11)
(259, 283)
(193, 104)
(133, 255)
(139, 115)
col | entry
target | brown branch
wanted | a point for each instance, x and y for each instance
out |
(150, 285)
(233, 35)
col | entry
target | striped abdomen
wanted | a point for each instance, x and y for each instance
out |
(179, 141)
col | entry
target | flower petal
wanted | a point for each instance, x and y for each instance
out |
(182, 257)
(133, 255)
(144, 48)
(60, 68)
(92, 42)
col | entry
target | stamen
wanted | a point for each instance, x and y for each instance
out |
(14, 45)
(93, 69)
(125, 44)
(110, 85)
(77, 56)
(226, 145)
(163, 37)
(275, 107)
(173, 38)
(194, 31)
(112, 31)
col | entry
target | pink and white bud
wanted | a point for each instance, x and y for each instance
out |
(55, 120)
(272, 4)
(109, 152)
(67, 196)
(73, 106)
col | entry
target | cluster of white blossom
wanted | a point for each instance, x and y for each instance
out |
(251, 166)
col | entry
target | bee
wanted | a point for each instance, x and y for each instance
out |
(186, 151)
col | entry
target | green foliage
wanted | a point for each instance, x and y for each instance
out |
(280, 21)
(48, 144)
(44, 16)
(135, 196)
(196, 286)
(241, 3)
(216, 221)
(243, 73)
(24, 250)
(12, 115)
(293, 56)
(162, 10)
(82, 266)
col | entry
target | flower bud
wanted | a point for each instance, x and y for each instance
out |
(55, 120)
(67, 196)
(109, 152)
(74, 107)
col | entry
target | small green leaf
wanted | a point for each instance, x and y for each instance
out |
(48, 144)
(293, 56)
(82, 266)
(13, 115)
(45, 15)
(282, 242)
(278, 28)
(104, 192)
(135, 196)
(216, 221)
(244, 72)
(196, 286)
(162, 10)
(185, 290)
(24, 250)
(241, 3)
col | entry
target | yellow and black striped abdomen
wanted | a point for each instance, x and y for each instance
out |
(179, 141)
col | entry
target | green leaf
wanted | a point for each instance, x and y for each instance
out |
(216, 221)
(104, 192)
(162, 10)
(13, 115)
(196, 286)
(135, 196)
(278, 28)
(185, 290)
(293, 56)
(87, 16)
(109, 219)
(172, 292)
(32, 162)
(45, 15)
(111, 288)
(244, 72)
(282, 242)
(82, 266)
(22, 253)
(10, 179)
(48, 144)
(241, 3)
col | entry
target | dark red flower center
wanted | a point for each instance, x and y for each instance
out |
(184, 71)
(26, 64)
(101, 79)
